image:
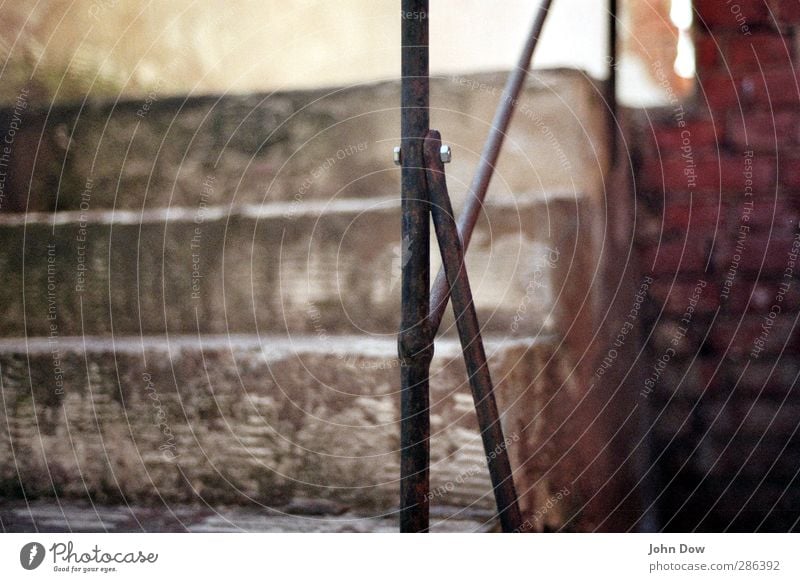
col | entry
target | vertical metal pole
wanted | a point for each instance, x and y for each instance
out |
(611, 93)
(415, 344)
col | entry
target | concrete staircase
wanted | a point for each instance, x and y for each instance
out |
(202, 297)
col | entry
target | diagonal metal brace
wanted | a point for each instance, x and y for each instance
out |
(491, 150)
(469, 333)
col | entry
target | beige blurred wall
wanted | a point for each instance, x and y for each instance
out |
(107, 48)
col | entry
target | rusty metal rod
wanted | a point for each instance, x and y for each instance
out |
(491, 150)
(611, 83)
(415, 346)
(469, 332)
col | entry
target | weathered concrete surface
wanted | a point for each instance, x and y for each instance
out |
(298, 147)
(334, 269)
(83, 517)
(279, 217)
(238, 420)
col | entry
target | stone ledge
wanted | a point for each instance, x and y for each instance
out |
(335, 271)
(308, 145)
(245, 420)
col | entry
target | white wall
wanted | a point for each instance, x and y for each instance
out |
(128, 47)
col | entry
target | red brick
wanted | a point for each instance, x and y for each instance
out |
(734, 52)
(718, 14)
(706, 52)
(790, 171)
(758, 297)
(667, 334)
(682, 197)
(675, 420)
(738, 90)
(710, 373)
(764, 377)
(758, 52)
(676, 256)
(763, 253)
(720, 91)
(739, 342)
(772, 88)
(674, 296)
(700, 134)
(682, 217)
(776, 216)
(763, 130)
(773, 417)
(648, 225)
(713, 174)
(786, 12)
(755, 418)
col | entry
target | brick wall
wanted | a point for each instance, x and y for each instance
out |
(718, 201)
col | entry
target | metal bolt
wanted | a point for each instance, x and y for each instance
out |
(445, 154)
(397, 158)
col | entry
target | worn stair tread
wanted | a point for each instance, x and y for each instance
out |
(313, 144)
(269, 209)
(242, 417)
(259, 271)
(273, 346)
(82, 516)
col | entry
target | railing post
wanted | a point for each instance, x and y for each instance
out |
(611, 91)
(415, 344)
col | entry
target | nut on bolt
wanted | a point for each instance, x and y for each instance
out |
(445, 154)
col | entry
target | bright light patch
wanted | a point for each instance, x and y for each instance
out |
(681, 15)
(684, 60)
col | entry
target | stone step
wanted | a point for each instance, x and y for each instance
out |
(45, 516)
(244, 419)
(323, 268)
(299, 146)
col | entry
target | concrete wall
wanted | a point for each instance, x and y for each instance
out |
(110, 48)
(203, 294)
